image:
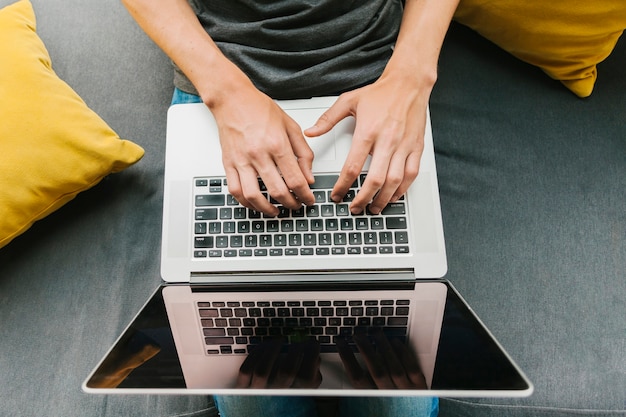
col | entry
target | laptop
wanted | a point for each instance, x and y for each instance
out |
(312, 302)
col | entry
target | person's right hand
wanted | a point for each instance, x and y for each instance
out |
(259, 139)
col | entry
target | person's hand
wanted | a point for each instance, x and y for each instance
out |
(390, 364)
(259, 139)
(266, 367)
(390, 123)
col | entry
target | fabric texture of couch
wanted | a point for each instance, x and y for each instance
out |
(533, 193)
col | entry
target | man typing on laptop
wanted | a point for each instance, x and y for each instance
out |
(236, 56)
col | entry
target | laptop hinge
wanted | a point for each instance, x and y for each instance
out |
(302, 276)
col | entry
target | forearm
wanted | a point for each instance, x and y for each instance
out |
(174, 27)
(422, 32)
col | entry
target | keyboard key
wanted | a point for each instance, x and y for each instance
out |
(203, 242)
(342, 210)
(206, 214)
(226, 213)
(320, 196)
(396, 222)
(402, 249)
(317, 225)
(362, 223)
(206, 200)
(327, 210)
(280, 240)
(286, 226)
(243, 226)
(219, 340)
(394, 209)
(355, 238)
(312, 211)
(346, 224)
(397, 321)
(302, 225)
(377, 223)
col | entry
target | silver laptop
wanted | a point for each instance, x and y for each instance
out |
(316, 293)
(408, 240)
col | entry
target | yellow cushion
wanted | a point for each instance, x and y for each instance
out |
(52, 146)
(565, 38)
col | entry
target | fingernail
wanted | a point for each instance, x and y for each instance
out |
(356, 210)
(374, 209)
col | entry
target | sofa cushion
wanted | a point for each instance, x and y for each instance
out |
(53, 146)
(565, 38)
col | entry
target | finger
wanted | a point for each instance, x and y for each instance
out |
(298, 172)
(396, 370)
(411, 170)
(352, 168)
(277, 188)
(234, 186)
(290, 364)
(265, 364)
(410, 363)
(357, 376)
(247, 368)
(302, 151)
(251, 192)
(308, 374)
(375, 364)
(340, 109)
(395, 176)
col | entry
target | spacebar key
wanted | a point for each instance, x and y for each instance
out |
(207, 200)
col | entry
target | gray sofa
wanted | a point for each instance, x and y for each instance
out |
(533, 192)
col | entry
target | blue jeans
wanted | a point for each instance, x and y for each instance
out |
(347, 407)
(180, 97)
(232, 406)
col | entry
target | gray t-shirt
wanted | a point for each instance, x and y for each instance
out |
(301, 48)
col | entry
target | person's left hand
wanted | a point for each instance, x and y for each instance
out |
(390, 122)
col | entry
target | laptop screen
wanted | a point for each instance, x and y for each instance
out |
(417, 338)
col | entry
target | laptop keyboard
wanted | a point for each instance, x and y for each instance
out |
(224, 228)
(233, 327)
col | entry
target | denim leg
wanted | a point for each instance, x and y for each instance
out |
(180, 97)
(389, 406)
(249, 406)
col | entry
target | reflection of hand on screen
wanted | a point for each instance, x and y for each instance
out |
(267, 367)
(390, 363)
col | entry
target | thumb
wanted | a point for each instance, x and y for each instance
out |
(335, 113)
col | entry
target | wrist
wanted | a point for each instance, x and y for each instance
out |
(231, 83)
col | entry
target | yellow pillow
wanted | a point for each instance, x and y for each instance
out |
(565, 38)
(52, 146)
